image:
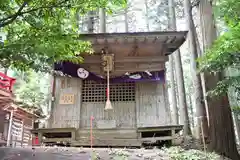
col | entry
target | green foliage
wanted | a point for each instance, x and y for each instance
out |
(229, 10)
(42, 32)
(225, 52)
(177, 153)
(32, 88)
(236, 109)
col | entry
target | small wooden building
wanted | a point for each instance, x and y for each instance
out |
(139, 110)
(18, 123)
(15, 121)
(6, 98)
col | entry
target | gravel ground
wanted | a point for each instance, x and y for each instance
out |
(62, 153)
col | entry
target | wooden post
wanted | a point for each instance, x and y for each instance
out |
(15, 142)
(22, 133)
(9, 136)
(173, 135)
(91, 130)
(32, 137)
(40, 138)
(73, 135)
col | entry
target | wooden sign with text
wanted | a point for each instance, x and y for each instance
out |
(67, 99)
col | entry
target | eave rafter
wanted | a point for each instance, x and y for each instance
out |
(136, 41)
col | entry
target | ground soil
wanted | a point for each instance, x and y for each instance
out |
(61, 153)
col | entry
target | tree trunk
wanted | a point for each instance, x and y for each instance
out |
(237, 123)
(191, 110)
(179, 75)
(172, 82)
(102, 16)
(78, 19)
(90, 22)
(146, 16)
(222, 137)
(208, 28)
(126, 18)
(199, 51)
(198, 94)
(173, 91)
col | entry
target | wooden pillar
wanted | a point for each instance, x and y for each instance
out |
(15, 142)
(40, 134)
(9, 136)
(32, 136)
(173, 135)
(73, 135)
(22, 132)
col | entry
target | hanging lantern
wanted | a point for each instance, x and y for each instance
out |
(108, 66)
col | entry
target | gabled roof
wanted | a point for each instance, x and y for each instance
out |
(20, 112)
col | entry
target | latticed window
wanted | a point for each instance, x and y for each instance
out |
(96, 92)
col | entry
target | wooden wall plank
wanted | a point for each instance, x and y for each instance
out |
(67, 115)
(151, 105)
(123, 113)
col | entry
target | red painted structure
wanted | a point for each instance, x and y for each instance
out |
(35, 141)
(6, 82)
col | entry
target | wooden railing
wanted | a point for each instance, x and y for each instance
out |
(6, 82)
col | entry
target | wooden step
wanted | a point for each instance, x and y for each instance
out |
(111, 134)
(107, 142)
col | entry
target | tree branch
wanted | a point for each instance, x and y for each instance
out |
(13, 17)
(195, 3)
(45, 7)
(8, 20)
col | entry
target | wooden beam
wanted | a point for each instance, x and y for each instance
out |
(131, 59)
(152, 139)
(4, 98)
(5, 93)
(155, 44)
(128, 67)
(53, 130)
(48, 140)
(133, 35)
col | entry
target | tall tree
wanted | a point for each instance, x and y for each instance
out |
(102, 19)
(198, 93)
(42, 32)
(179, 75)
(147, 14)
(222, 139)
(173, 95)
(172, 81)
(126, 18)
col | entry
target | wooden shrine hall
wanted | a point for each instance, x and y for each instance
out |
(122, 85)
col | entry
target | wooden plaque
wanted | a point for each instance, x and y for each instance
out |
(108, 61)
(66, 99)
